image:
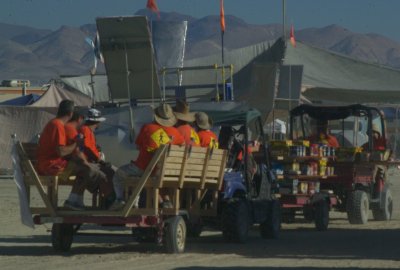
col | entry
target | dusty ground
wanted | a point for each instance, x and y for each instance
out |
(344, 246)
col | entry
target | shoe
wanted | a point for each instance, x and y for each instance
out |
(167, 204)
(117, 205)
(74, 205)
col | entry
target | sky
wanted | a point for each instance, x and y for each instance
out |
(362, 16)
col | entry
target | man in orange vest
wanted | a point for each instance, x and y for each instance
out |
(181, 111)
(151, 136)
(206, 136)
(53, 152)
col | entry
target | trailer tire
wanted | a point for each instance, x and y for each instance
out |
(235, 220)
(62, 236)
(358, 207)
(321, 215)
(270, 228)
(385, 213)
(175, 235)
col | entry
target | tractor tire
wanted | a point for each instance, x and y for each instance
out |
(385, 213)
(321, 215)
(175, 235)
(235, 220)
(358, 207)
(62, 236)
(270, 228)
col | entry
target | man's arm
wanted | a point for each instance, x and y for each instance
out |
(65, 150)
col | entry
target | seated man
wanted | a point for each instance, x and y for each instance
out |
(206, 136)
(185, 118)
(151, 136)
(52, 154)
(322, 135)
(378, 143)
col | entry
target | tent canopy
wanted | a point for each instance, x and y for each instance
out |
(22, 100)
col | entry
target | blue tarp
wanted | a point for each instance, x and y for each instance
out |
(22, 100)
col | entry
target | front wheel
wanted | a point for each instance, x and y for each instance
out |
(235, 220)
(175, 235)
(384, 213)
(358, 207)
(62, 236)
(321, 215)
(270, 228)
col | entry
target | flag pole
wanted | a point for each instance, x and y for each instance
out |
(284, 20)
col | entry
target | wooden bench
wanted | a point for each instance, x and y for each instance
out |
(191, 171)
(194, 170)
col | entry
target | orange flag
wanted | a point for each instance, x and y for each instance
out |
(151, 4)
(222, 15)
(292, 39)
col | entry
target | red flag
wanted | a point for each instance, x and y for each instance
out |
(151, 4)
(292, 39)
(222, 15)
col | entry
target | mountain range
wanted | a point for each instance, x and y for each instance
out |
(42, 54)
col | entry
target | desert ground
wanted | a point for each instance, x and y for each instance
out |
(344, 246)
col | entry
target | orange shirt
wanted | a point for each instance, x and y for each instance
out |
(89, 143)
(208, 139)
(150, 137)
(327, 139)
(49, 160)
(189, 134)
(71, 132)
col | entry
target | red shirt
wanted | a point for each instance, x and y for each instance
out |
(189, 134)
(49, 160)
(89, 143)
(327, 139)
(208, 139)
(150, 137)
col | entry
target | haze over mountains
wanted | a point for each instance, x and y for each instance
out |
(40, 54)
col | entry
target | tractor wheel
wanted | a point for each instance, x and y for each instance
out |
(270, 228)
(385, 213)
(175, 235)
(62, 236)
(321, 215)
(235, 220)
(358, 207)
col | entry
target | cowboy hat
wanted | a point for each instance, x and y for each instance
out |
(164, 115)
(203, 121)
(181, 111)
(94, 115)
(376, 128)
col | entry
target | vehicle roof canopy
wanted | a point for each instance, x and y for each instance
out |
(233, 117)
(331, 112)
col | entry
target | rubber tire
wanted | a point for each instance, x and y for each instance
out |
(321, 215)
(62, 236)
(271, 227)
(175, 235)
(358, 207)
(235, 220)
(384, 214)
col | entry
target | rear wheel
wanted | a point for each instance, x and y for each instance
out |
(385, 212)
(321, 215)
(175, 235)
(235, 220)
(271, 226)
(358, 207)
(62, 236)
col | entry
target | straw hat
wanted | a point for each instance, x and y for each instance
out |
(181, 111)
(203, 121)
(164, 115)
(94, 115)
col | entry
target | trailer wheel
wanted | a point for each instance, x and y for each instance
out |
(175, 235)
(321, 215)
(270, 228)
(384, 213)
(235, 220)
(62, 236)
(358, 207)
